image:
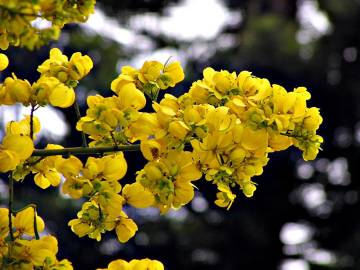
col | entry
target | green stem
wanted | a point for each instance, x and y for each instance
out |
(156, 95)
(84, 150)
(78, 116)
(32, 121)
(11, 198)
(35, 223)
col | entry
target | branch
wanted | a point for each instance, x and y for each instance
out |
(84, 150)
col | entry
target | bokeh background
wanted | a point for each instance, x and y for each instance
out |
(304, 215)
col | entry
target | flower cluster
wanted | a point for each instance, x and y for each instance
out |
(17, 146)
(23, 248)
(17, 17)
(55, 86)
(98, 180)
(223, 130)
(107, 119)
(152, 77)
(143, 264)
(232, 122)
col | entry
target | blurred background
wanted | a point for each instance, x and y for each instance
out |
(304, 215)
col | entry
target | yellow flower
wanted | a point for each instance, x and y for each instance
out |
(248, 188)
(254, 139)
(137, 196)
(151, 149)
(125, 228)
(56, 58)
(128, 75)
(115, 166)
(264, 90)
(65, 71)
(183, 193)
(131, 97)
(192, 115)
(62, 265)
(237, 156)
(152, 171)
(111, 202)
(74, 186)
(220, 119)
(79, 66)
(183, 166)
(19, 90)
(44, 180)
(279, 142)
(247, 83)
(223, 82)
(93, 168)
(225, 197)
(23, 127)
(199, 92)
(119, 265)
(312, 147)
(43, 250)
(169, 105)
(8, 160)
(79, 228)
(178, 129)
(24, 222)
(4, 222)
(312, 119)
(69, 167)
(303, 92)
(61, 96)
(46, 173)
(89, 222)
(146, 264)
(4, 61)
(150, 71)
(146, 125)
(22, 145)
(5, 98)
(236, 105)
(172, 74)
(35, 253)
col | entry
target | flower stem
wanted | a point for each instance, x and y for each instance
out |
(32, 121)
(35, 224)
(78, 116)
